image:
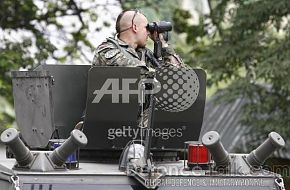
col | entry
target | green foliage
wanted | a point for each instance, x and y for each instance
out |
(17, 14)
(6, 114)
(153, 9)
(243, 44)
(248, 49)
(12, 57)
(25, 40)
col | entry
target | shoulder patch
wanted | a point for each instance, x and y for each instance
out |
(111, 53)
(104, 46)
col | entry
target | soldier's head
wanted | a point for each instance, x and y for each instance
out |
(131, 27)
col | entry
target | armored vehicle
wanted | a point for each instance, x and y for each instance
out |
(83, 127)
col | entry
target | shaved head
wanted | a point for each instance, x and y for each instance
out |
(127, 18)
(131, 28)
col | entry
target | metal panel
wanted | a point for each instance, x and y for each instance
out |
(68, 94)
(110, 125)
(33, 106)
(5, 185)
(105, 116)
(178, 127)
(90, 182)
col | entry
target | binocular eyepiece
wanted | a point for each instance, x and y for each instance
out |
(159, 27)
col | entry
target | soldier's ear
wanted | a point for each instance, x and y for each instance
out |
(134, 28)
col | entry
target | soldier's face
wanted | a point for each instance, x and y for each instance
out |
(142, 33)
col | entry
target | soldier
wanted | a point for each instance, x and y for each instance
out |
(128, 48)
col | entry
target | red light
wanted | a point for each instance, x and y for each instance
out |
(198, 154)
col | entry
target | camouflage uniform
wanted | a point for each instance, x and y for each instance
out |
(115, 52)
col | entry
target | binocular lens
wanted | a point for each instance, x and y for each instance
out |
(159, 27)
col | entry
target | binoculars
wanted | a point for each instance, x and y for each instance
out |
(159, 27)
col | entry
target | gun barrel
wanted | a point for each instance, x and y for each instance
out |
(76, 140)
(212, 141)
(258, 156)
(23, 156)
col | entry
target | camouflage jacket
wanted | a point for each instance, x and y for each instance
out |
(115, 52)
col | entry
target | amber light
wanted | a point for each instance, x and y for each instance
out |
(198, 154)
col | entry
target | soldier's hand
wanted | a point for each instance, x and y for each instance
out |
(163, 42)
(153, 36)
(156, 36)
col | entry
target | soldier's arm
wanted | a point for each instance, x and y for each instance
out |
(168, 54)
(170, 57)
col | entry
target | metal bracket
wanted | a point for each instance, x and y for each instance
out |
(280, 183)
(15, 181)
